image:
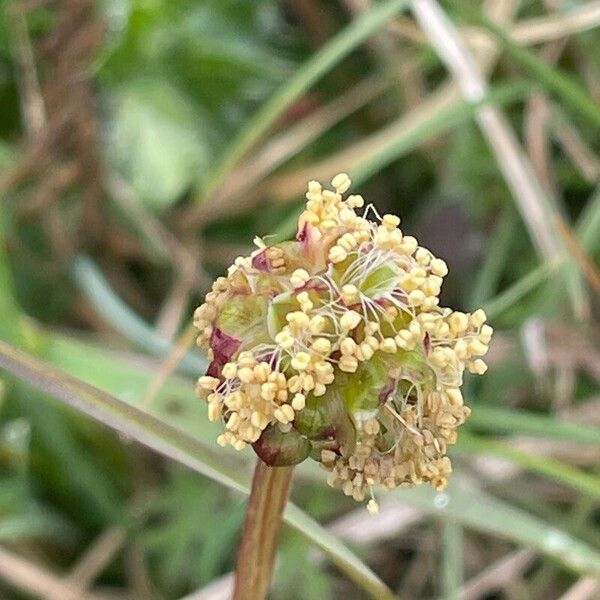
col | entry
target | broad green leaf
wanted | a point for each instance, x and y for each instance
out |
(156, 140)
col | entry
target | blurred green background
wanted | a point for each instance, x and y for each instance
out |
(144, 143)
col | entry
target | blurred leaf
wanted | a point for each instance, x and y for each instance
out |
(562, 85)
(191, 529)
(543, 465)
(10, 328)
(156, 141)
(298, 576)
(127, 376)
(99, 293)
(315, 68)
(473, 508)
(506, 420)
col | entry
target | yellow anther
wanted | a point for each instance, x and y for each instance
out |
(477, 348)
(348, 347)
(268, 391)
(341, 183)
(299, 278)
(350, 294)
(371, 327)
(461, 349)
(297, 319)
(208, 383)
(328, 456)
(321, 346)
(372, 506)
(455, 396)
(233, 422)
(366, 351)
(317, 324)
(301, 361)
(458, 322)
(477, 366)
(485, 335)
(246, 375)
(355, 201)
(284, 414)
(348, 364)
(390, 221)
(478, 318)
(319, 389)
(246, 359)
(423, 256)
(439, 267)
(346, 216)
(285, 339)
(350, 320)
(409, 244)
(416, 298)
(215, 410)
(303, 297)
(337, 254)
(229, 370)
(314, 187)
(262, 371)
(388, 345)
(298, 402)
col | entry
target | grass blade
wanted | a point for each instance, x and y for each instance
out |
(179, 446)
(553, 79)
(475, 509)
(96, 289)
(549, 467)
(505, 420)
(315, 68)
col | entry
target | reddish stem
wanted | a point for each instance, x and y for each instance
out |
(256, 552)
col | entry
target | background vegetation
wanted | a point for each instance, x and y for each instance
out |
(143, 144)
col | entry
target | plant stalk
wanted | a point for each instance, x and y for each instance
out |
(256, 552)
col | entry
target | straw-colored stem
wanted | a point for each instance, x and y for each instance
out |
(256, 552)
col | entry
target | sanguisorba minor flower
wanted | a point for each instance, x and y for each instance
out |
(334, 347)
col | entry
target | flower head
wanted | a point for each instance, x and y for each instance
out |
(334, 347)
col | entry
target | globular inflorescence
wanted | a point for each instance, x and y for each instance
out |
(334, 346)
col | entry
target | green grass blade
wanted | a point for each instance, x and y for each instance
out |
(588, 226)
(518, 290)
(313, 70)
(439, 122)
(94, 286)
(588, 233)
(179, 446)
(477, 510)
(552, 78)
(543, 465)
(452, 558)
(495, 259)
(338, 553)
(436, 124)
(505, 420)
